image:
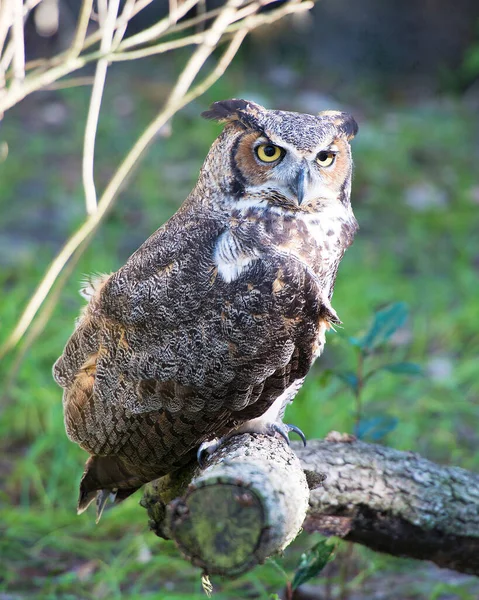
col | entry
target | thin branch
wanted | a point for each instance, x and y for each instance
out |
(102, 12)
(220, 68)
(121, 22)
(6, 17)
(157, 31)
(125, 16)
(159, 28)
(35, 83)
(70, 83)
(202, 17)
(17, 36)
(8, 53)
(42, 64)
(107, 24)
(82, 28)
(48, 74)
(203, 52)
(189, 40)
(198, 20)
(46, 77)
(250, 22)
(7, 56)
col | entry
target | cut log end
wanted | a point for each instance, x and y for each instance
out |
(246, 505)
(219, 527)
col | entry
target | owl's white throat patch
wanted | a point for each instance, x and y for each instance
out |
(231, 258)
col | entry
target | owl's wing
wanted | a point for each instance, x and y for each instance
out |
(169, 353)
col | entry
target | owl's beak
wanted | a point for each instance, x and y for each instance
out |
(300, 183)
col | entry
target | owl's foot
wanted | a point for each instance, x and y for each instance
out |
(284, 429)
(253, 426)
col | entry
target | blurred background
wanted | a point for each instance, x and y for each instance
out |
(409, 73)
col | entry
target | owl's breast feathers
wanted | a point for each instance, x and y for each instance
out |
(170, 351)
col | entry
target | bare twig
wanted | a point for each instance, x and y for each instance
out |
(121, 22)
(107, 24)
(153, 32)
(19, 45)
(82, 27)
(70, 83)
(6, 56)
(190, 40)
(47, 74)
(126, 15)
(6, 18)
(204, 16)
(250, 22)
(43, 64)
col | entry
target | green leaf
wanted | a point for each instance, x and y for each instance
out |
(349, 378)
(313, 562)
(353, 341)
(385, 323)
(403, 368)
(375, 427)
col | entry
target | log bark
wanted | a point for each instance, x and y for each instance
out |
(250, 502)
(246, 505)
(395, 502)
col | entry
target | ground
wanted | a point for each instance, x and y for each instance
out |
(416, 197)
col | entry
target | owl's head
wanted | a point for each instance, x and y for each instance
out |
(295, 161)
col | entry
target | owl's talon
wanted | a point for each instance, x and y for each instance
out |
(206, 449)
(284, 429)
(298, 431)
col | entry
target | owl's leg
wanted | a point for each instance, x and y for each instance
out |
(269, 423)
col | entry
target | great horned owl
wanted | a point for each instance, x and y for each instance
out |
(213, 323)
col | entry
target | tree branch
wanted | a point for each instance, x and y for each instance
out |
(395, 502)
(391, 501)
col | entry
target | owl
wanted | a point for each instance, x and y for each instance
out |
(213, 323)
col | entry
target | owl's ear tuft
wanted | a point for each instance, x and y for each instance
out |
(236, 109)
(343, 121)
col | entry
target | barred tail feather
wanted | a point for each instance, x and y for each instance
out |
(106, 478)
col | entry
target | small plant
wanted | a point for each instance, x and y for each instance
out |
(313, 562)
(384, 324)
(310, 566)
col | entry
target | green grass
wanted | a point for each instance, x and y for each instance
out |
(426, 257)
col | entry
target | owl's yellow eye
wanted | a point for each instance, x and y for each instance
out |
(325, 158)
(268, 152)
